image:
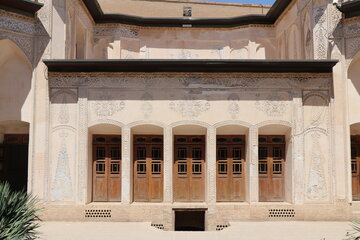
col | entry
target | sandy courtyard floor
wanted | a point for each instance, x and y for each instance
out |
(237, 230)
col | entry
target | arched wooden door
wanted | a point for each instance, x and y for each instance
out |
(355, 167)
(230, 180)
(106, 168)
(189, 168)
(148, 168)
(271, 168)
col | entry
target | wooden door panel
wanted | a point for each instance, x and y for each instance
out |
(238, 189)
(277, 188)
(355, 167)
(263, 189)
(106, 168)
(222, 189)
(148, 168)
(100, 189)
(189, 168)
(197, 189)
(156, 189)
(271, 168)
(182, 189)
(114, 188)
(230, 168)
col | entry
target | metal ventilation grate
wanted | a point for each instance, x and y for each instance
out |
(221, 227)
(158, 226)
(98, 213)
(281, 213)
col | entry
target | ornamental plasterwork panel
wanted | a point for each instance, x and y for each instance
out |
(320, 32)
(106, 106)
(17, 25)
(146, 107)
(352, 28)
(190, 108)
(117, 31)
(352, 47)
(233, 105)
(273, 104)
(316, 184)
(23, 42)
(62, 164)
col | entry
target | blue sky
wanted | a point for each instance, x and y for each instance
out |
(264, 2)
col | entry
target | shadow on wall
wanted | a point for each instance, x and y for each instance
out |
(15, 83)
(354, 89)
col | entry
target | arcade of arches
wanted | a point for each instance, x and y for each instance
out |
(207, 123)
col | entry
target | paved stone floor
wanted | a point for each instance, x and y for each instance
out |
(237, 230)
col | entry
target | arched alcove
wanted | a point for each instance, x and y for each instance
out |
(15, 83)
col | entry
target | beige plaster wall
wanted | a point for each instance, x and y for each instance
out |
(174, 8)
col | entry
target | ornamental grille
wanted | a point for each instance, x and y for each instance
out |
(98, 213)
(281, 213)
(158, 226)
(221, 227)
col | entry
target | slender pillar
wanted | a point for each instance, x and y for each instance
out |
(83, 190)
(126, 166)
(252, 165)
(168, 165)
(2, 135)
(211, 165)
(298, 158)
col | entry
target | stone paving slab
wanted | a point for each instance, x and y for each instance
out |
(237, 230)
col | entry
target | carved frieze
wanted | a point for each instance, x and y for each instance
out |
(192, 81)
(117, 32)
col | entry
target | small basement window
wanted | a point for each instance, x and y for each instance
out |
(190, 220)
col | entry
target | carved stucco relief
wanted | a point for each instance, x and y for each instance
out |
(317, 186)
(233, 105)
(106, 106)
(320, 32)
(275, 104)
(316, 128)
(146, 107)
(62, 186)
(190, 107)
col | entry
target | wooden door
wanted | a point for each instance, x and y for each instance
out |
(230, 181)
(189, 169)
(148, 168)
(271, 168)
(14, 161)
(355, 167)
(106, 168)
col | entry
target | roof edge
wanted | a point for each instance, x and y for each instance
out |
(23, 7)
(270, 18)
(186, 65)
(350, 8)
